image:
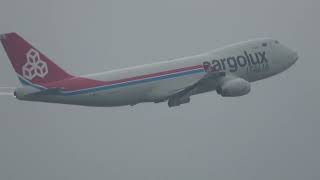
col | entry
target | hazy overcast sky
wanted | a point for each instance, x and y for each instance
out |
(272, 133)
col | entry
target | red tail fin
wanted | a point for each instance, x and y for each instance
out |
(30, 64)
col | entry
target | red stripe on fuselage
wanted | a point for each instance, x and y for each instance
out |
(84, 83)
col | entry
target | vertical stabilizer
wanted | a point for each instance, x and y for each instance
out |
(31, 66)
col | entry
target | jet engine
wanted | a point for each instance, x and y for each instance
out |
(233, 87)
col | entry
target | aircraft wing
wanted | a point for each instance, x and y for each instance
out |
(183, 96)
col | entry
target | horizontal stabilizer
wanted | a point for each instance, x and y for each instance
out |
(52, 91)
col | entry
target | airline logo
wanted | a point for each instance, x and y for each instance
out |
(256, 62)
(34, 67)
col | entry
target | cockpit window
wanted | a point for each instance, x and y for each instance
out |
(264, 44)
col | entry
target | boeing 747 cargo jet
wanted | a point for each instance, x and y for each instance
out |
(228, 71)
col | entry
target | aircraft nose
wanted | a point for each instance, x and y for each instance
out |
(294, 56)
(286, 57)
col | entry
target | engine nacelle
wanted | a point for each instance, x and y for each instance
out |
(177, 102)
(234, 87)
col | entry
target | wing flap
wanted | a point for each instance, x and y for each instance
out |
(183, 96)
(51, 91)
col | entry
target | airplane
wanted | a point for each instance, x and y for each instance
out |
(228, 71)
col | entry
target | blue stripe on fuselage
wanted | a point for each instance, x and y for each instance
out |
(170, 76)
(108, 87)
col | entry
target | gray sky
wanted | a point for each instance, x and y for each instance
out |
(273, 133)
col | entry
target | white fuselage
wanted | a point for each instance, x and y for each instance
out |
(157, 82)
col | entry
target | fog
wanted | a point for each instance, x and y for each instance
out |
(272, 133)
